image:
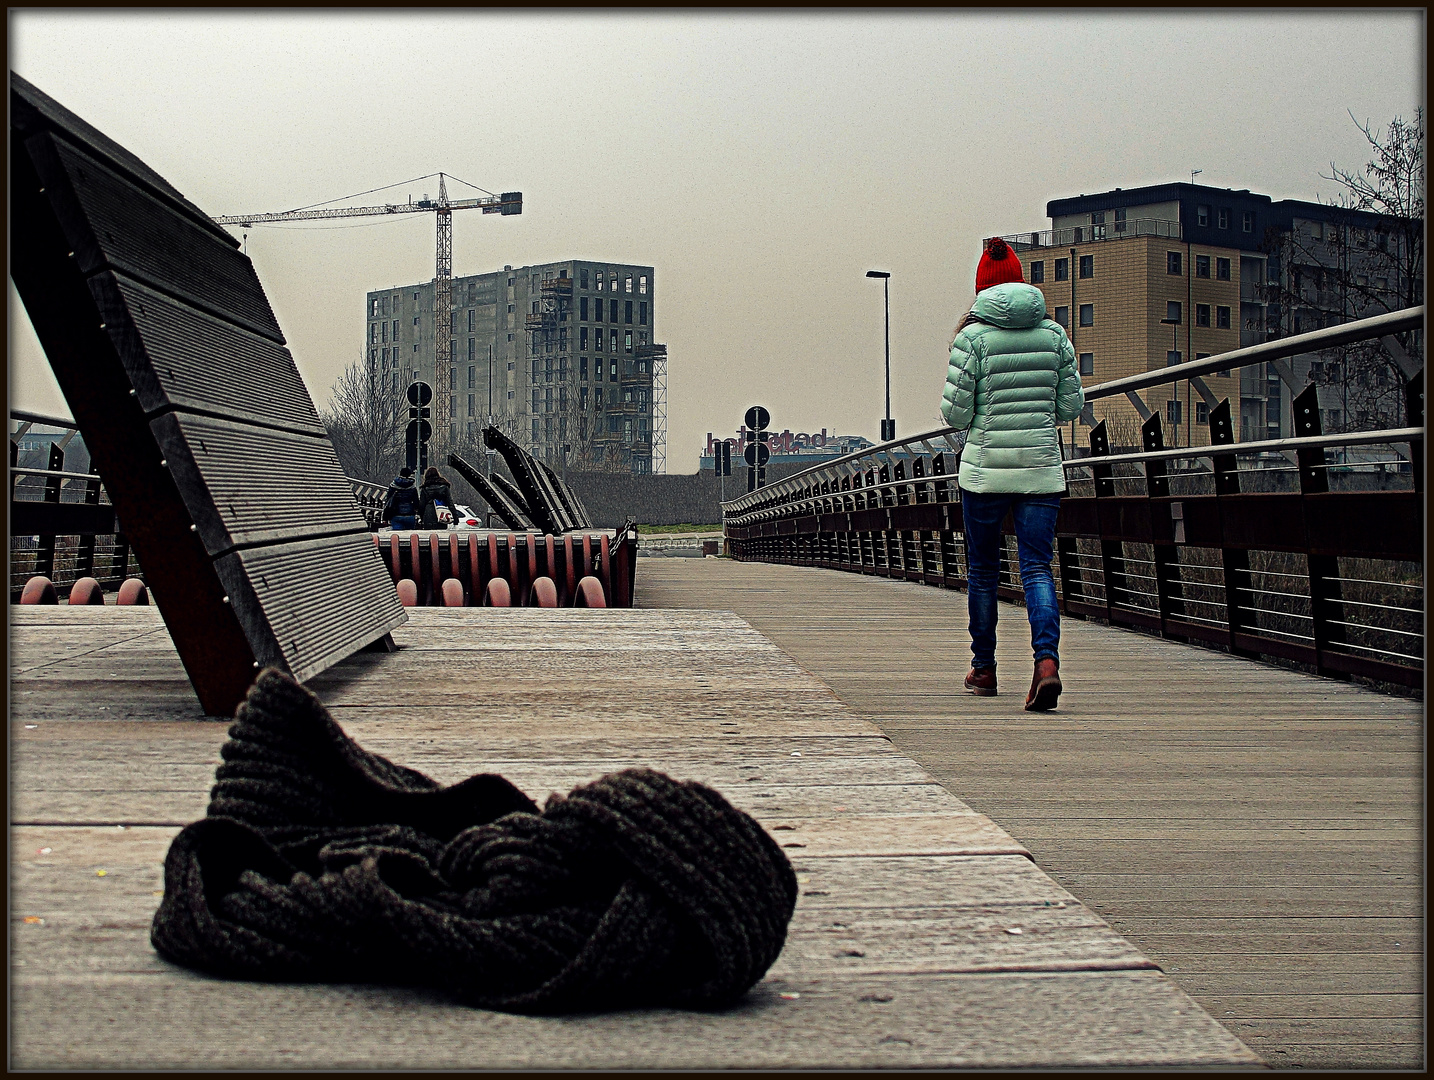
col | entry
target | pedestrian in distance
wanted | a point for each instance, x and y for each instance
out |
(437, 500)
(400, 504)
(1012, 379)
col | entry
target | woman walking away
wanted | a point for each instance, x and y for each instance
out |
(1012, 379)
(437, 500)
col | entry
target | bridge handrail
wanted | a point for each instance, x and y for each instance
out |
(1313, 442)
(1329, 337)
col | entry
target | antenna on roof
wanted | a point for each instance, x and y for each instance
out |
(1194, 173)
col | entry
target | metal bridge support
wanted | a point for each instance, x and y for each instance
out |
(1165, 556)
(1234, 562)
(1112, 556)
(1323, 568)
(1414, 417)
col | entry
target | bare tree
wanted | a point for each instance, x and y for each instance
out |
(366, 420)
(1367, 259)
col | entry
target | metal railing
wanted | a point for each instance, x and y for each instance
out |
(1083, 234)
(63, 526)
(1195, 543)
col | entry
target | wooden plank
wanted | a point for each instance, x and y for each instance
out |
(937, 1021)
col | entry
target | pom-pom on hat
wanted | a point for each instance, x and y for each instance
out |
(998, 265)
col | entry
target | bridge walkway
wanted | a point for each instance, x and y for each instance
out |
(924, 936)
(1255, 831)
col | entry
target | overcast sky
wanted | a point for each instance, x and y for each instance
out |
(761, 162)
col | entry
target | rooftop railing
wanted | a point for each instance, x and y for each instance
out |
(1083, 234)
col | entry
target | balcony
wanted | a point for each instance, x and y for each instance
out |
(1085, 234)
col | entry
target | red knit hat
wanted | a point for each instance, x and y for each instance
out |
(998, 265)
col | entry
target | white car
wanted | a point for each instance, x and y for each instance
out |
(465, 517)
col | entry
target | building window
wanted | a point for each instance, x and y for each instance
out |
(511, 308)
(1038, 272)
(1172, 311)
(1202, 413)
(1172, 262)
(395, 380)
(583, 338)
(1222, 318)
(472, 377)
(599, 285)
(537, 394)
(597, 396)
(612, 374)
(1063, 269)
(627, 284)
(1222, 269)
(1087, 266)
(415, 320)
(510, 338)
(1247, 221)
(535, 432)
(1202, 266)
(1063, 316)
(583, 309)
(471, 315)
(395, 329)
(612, 346)
(1087, 363)
(472, 404)
(583, 281)
(415, 346)
(1120, 221)
(373, 333)
(1172, 411)
(627, 310)
(583, 398)
(1087, 314)
(1224, 218)
(1172, 357)
(627, 343)
(1202, 216)
(597, 339)
(373, 308)
(642, 285)
(642, 313)
(1202, 314)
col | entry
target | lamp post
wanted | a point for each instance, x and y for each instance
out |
(1174, 348)
(888, 426)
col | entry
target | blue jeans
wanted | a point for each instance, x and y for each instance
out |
(1035, 520)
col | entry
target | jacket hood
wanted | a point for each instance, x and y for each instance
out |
(403, 481)
(1011, 306)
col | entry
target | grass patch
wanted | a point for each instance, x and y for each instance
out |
(685, 527)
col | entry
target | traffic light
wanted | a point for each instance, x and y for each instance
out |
(419, 429)
(757, 453)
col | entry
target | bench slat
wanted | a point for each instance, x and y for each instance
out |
(111, 224)
(171, 352)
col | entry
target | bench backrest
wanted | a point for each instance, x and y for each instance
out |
(174, 368)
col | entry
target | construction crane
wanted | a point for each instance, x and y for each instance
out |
(509, 202)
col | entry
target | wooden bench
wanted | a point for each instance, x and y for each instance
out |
(170, 358)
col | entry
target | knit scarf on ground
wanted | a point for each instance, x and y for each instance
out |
(320, 861)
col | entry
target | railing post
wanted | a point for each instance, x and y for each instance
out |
(1165, 557)
(1414, 417)
(1112, 580)
(85, 555)
(45, 549)
(1323, 569)
(1234, 562)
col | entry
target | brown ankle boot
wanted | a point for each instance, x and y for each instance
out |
(1045, 687)
(981, 682)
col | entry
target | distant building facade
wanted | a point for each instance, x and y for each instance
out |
(575, 374)
(1148, 277)
(789, 448)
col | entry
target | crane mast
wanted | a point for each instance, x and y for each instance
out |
(509, 202)
(443, 323)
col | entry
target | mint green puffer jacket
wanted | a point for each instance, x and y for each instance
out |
(1012, 379)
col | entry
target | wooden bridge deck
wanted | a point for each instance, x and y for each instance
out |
(1256, 831)
(923, 937)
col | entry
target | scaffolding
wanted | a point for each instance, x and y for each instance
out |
(656, 355)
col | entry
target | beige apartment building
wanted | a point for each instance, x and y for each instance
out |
(1133, 297)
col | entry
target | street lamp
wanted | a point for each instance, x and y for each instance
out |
(1174, 350)
(888, 426)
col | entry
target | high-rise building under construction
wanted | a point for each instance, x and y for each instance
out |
(574, 374)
